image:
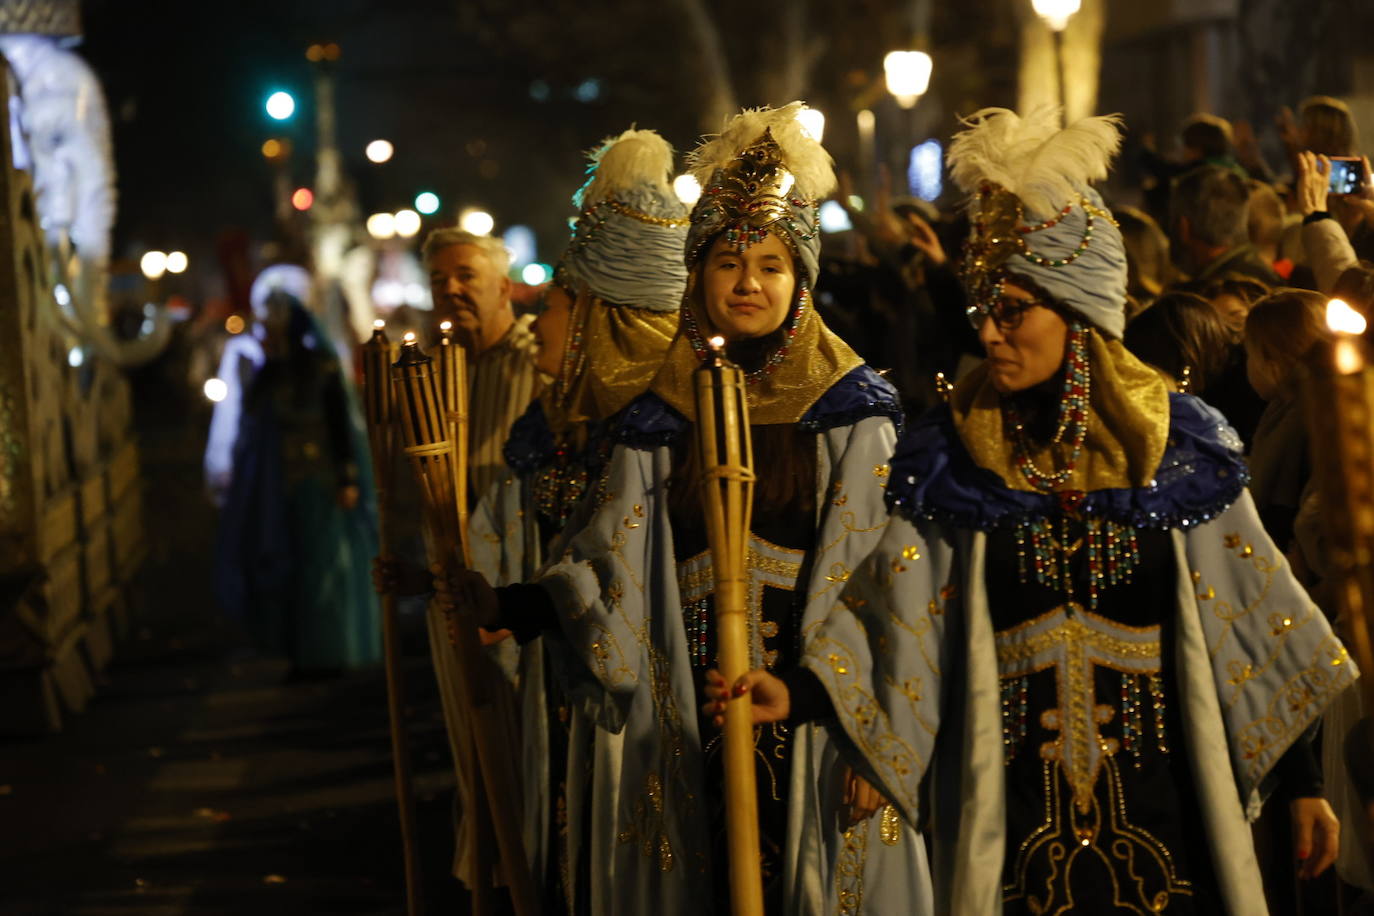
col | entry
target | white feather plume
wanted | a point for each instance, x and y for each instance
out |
(806, 159)
(617, 164)
(1044, 165)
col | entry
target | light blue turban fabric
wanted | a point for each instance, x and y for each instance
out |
(628, 261)
(1093, 284)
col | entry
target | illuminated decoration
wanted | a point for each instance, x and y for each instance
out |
(1056, 13)
(302, 199)
(908, 75)
(427, 202)
(381, 225)
(234, 324)
(687, 189)
(177, 262)
(535, 274)
(520, 242)
(813, 122)
(925, 170)
(833, 217)
(379, 151)
(478, 222)
(407, 223)
(216, 389)
(280, 105)
(587, 91)
(153, 264)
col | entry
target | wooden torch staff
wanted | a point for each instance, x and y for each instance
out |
(381, 434)
(1341, 418)
(424, 425)
(727, 487)
(453, 392)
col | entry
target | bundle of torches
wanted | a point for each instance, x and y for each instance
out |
(422, 411)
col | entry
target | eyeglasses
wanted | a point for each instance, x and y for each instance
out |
(1005, 311)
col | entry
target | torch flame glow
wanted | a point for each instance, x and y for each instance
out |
(446, 325)
(1343, 319)
(410, 337)
(717, 342)
(378, 324)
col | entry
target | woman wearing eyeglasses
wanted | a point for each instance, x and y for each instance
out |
(1075, 592)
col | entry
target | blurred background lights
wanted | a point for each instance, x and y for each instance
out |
(833, 217)
(153, 264)
(589, 90)
(177, 262)
(924, 174)
(280, 105)
(539, 91)
(234, 324)
(216, 390)
(75, 357)
(519, 240)
(381, 225)
(272, 149)
(427, 202)
(302, 199)
(379, 151)
(535, 274)
(407, 223)
(908, 75)
(478, 222)
(813, 122)
(687, 189)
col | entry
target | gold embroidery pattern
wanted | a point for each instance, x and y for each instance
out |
(770, 566)
(1142, 870)
(1073, 641)
(849, 870)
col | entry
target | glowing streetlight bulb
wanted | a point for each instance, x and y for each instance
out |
(1056, 13)
(813, 122)
(908, 75)
(687, 189)
(216, 389)
(379, 151)
(153, 264)
(407, 223)
(381, 225)
(478, 222)
(280, 106)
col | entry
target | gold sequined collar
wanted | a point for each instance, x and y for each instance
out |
(1128, 424)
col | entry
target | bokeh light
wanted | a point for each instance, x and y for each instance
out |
(280, 105)
(478, 222)
(427, 202)
(535, 274)
(379, 151)
(177, 262)
(302, 199)
(153, 264)
(687, 189)
(216, 389)
(381, 225)
(407, 223)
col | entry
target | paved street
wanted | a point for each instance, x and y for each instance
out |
(199, 780)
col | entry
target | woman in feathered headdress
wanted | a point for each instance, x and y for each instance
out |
(1076, 591)
(632, 593)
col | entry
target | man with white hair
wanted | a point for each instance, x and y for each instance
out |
(469, 282)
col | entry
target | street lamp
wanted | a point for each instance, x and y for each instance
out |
(908, 75)
(1056, 15)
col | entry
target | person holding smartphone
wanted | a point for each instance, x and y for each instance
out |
(1336, 202)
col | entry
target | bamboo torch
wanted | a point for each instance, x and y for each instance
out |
(381, 432)
(425, 426)
(1341, 414)
(726, 457)
(453, 391)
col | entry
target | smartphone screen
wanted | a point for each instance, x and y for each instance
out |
(1347, 175)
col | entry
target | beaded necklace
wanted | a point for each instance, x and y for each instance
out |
(1112, 549)
(753, 377)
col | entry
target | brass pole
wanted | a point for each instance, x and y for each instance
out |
(725, 453)
(377, 356)
(431, 452)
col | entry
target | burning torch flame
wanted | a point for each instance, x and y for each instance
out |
(716, 342)
(446, 325)
(378, 324)
(1343, 319)
(409, 337)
